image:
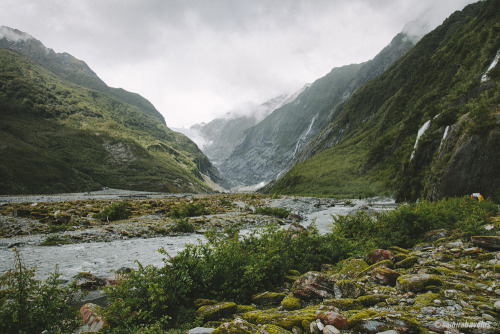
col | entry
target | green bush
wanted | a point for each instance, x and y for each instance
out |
(30, 306)
(188, 210)
(271, 211)
(184, 226)
(407, 225)
(115, 211)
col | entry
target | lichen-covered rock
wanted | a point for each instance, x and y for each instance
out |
(380, 323)
(313, 285)
(417, 282)
(217, 311)
(380, 254)
(238, 326)
(291, 303)
(348, 289)
(384, 276)
(268, 298)
(487, 242)
(352, 268)
(407, 262)
(284, 319)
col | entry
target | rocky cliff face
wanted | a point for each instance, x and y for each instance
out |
(469, 163)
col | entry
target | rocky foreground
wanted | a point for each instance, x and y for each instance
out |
(441, 286)
(445, 285)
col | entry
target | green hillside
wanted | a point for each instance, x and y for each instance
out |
(57, 136)
(367, 148)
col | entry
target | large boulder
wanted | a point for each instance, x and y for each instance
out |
(313, 285)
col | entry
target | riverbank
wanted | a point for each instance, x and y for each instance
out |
(62, 229)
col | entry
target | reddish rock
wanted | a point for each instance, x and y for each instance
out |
(380, 254)
(92, 322)
(332, 318)
(313, 285)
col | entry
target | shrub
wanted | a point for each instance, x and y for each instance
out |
(270, 211)
(184, 226)
(115, 211)
(30, 306)
(188, 210)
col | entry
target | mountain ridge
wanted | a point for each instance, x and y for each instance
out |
(59, 136)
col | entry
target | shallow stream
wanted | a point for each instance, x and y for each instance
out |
(103, 258)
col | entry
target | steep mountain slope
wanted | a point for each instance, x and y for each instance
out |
(269, 147)
(57, 136)
(223, 134)
(374, 145)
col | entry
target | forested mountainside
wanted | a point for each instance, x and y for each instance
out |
(62, 129)
(268, 148)
(428, 127)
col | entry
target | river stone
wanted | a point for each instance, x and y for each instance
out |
(348, 289)
(217, 311)
(89, 281)
(201, 330)
(329, 329)
(239, 326)
(497, 305)
(313, 285)
(488, 242)
(417, 282)
(268, 298)
(332, 318)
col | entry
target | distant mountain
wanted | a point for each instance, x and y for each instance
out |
(270, 147)
(427, 127)
(63, 129)
(218, 138)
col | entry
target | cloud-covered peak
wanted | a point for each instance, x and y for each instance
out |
(13, 35)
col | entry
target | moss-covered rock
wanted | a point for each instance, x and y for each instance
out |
(488, 242)
(217, 311)
(371, 300)
(369, 321)
(343, 304)
(285, 319)
(348, 289)
(407, 262)
(425, 299)
(352, 269)
(268, 298)
(291, 303)
(245, 308)
(273, 329)
(313, 285)
(418, 282)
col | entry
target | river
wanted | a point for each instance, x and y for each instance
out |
(103, 258)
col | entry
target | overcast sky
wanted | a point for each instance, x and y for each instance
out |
(198, 59)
